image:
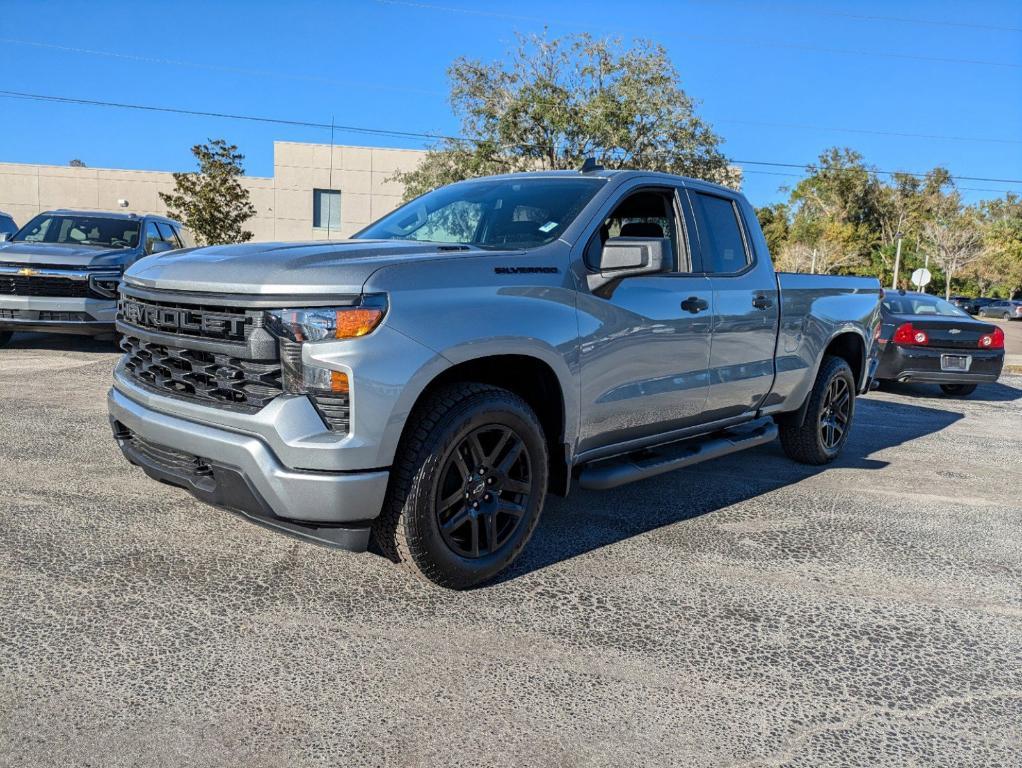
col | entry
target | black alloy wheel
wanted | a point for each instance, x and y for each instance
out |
(483, 491)
(836, 413)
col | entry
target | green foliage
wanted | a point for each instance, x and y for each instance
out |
(555, 102)
(847, 219)
(212, 203)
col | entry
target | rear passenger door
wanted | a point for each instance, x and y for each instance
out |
(745, 302)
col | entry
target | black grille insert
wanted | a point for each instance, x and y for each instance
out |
(204, 322)
(62, 287)
(335, 410)
(207, 377)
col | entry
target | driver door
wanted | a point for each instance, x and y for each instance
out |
(645, 339)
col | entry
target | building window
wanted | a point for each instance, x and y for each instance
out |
(326, 208)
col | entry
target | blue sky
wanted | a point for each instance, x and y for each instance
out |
(779, 81)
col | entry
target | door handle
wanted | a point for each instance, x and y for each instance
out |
(762, 302)
(694, 304)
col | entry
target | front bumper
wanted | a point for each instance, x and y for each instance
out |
(240, 472)
(922, 365)
(91, 317)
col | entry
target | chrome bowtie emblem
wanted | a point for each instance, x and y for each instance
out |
(955, 330)
(28, 272)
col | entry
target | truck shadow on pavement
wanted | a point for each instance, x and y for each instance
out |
(55, 342)
(589, 520)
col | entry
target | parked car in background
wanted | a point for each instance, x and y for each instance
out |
(1005, 309)
(7, 226)
(60, 272)
(926, 339)
(428, 381)
(973, 306)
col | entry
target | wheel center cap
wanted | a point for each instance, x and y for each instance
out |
(477, 487)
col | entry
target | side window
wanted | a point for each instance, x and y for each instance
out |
(152, 235)
(646, 213)
(185, 236)
(721, 242)
(167, 233)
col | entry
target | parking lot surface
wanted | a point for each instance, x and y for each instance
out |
(745, 612)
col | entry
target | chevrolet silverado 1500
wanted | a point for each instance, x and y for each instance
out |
(427, 382)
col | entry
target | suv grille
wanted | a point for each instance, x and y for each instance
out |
(207, 377)
(62, 287)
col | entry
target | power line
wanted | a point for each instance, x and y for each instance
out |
(801, 9)
(548, 102)
(412, 134)
(746, 42)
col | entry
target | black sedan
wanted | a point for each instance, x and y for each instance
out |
(926, 339)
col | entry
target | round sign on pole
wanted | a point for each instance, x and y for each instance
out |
(921, 277)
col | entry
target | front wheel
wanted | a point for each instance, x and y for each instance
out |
(824, 431)
(958, 390)
(467, 487)
(1006, 316)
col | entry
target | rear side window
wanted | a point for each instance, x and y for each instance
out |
(720, 235)
(167, 233)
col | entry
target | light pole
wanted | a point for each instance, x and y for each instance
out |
(897, 262)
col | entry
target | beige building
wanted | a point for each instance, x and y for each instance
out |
(317, 191)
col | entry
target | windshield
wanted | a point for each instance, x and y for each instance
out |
(498, 213)
(921, 305)
(72, 229)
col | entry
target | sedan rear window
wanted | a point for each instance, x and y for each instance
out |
(921, 305)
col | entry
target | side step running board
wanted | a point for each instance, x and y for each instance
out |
(610, 473)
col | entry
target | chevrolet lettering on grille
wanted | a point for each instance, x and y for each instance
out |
(176, 320)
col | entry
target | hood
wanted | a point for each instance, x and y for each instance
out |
(51, 254)
(328, 268)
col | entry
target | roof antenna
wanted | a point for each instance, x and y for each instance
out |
(589, 165)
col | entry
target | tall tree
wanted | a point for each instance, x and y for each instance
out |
(1001, 262)
(212, 203)
(955, 242)
(554, 102)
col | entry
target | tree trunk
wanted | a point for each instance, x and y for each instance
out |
(947, 285)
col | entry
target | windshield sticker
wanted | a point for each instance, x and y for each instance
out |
(550, 225)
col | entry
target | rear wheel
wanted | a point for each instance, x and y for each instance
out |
(5, 336)
(467, 487)
(823, 433)
(1006, 316)
(958, 390)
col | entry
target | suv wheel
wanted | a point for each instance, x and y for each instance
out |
(467, 486)
(958, 390)
(823, 433)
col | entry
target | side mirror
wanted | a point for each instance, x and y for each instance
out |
(624, 256)
(160, 246)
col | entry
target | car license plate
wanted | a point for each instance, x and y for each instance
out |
(955, 362)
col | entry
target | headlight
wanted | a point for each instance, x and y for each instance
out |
(295, 327)
(105, 283)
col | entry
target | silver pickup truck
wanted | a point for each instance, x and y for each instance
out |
(427, 382)
(59, 273)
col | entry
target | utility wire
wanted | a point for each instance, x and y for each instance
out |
(414, 134)
(805, 10)
(745, 42)
(547, 102)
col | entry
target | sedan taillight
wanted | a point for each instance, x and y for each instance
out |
(993, 340)
(907, 335)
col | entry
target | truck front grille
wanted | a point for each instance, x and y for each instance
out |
(207, 377)
(57, 287)
(197, 321)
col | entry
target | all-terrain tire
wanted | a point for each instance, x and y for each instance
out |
(408, 531)
(957, 390)
(806, 442)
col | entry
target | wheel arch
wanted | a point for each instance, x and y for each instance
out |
(535, 381)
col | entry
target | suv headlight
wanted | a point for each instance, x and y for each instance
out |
(296, 327)
(105, 283)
